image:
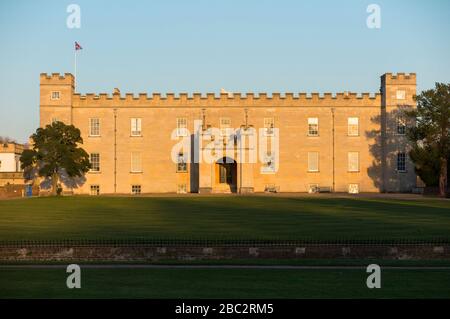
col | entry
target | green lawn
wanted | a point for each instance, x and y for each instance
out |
(223, 283)
(254, 217)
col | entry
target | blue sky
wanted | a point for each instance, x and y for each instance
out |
(205, 45)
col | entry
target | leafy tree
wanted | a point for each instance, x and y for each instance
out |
(431, 135)
(55, 153)
(427, 164)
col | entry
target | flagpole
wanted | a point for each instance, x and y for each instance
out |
(75, 73)
(77, 47)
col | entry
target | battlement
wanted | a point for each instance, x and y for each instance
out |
(398, 79)
(57, 79)
(226, 99)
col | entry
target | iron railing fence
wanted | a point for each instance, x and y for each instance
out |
(205, 242)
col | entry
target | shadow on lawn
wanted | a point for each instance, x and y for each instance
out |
(231, 217)
(299, 218)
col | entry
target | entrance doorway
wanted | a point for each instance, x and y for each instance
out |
(226, 174)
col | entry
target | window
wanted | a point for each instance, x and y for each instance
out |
(136, 127)
(353, 162)
(271, 188)
(353, 188)
(353, 126)
(94, 127)
(136, 189)
(313, 126)
(401, 95)
(313, 161)
(55, 95)
(225, 125)
(182, 189)
(136, 163)
(401, 125)
(401, 162)
(313, 188)
(268, 164)
(95, 162)
(181, 164)
(268, 126)
(95, 190)
(181, 126)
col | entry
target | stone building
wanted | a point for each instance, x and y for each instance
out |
(232, 142)
(10, 170)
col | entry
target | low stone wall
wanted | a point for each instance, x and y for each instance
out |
(11, 191)
(15, 191)
(152, 253)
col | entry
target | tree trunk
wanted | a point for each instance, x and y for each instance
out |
(443, 178)
(55, 184)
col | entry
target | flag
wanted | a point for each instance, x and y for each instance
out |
(77, 46)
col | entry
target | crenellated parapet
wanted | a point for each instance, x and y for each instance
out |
(57, 79)
(398, 79)
(226, 100)
(196, 99)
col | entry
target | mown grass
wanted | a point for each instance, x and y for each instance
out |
(222, 217)
(223, 283)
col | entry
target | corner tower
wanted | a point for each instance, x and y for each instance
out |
(397, 95)
(56, 92)
(398, 89)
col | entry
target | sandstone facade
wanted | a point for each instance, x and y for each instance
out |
(334, 142)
